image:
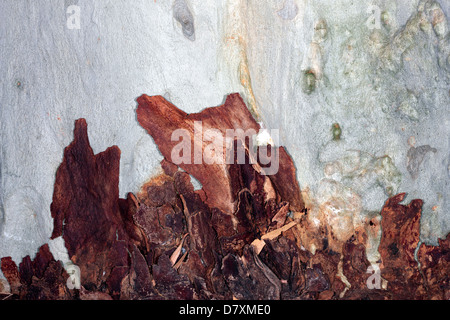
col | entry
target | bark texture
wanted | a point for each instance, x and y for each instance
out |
(234, 239)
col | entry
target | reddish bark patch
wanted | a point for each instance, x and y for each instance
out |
(400, 238)
(86, 209)
(42, 278)
(426, 277)
(161, 118)
(435, 267)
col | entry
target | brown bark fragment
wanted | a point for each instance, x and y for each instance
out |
(169, 284)
(85, 207)
(400, 238)
(161, 118)
(42, 278)
(435, 267)
(248, 278)
(11, 273)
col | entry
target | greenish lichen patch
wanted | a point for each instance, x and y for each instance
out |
(336, 131)
(309, 82)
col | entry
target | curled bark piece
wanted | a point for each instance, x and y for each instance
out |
(177, 252)
(280, 217)
(276, 233)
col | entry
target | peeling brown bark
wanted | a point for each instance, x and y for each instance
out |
(40, 279)
(424, 278)
(233, 239)
(161, 118)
